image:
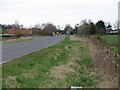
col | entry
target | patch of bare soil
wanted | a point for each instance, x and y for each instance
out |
(11, 80)
(59, 72)
(104, 61)
(76, 38)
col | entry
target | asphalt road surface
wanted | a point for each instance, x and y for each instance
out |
(11, 51)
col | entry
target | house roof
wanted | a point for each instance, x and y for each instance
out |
(109, 26)
(21, 31)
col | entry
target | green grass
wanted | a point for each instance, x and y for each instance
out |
(111, 41)
(63, 65)
(3, 39)
(0, 76)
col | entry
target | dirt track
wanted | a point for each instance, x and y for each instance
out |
(105, 62)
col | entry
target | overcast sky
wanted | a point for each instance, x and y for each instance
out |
(59, 12)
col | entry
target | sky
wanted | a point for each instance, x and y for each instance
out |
(58, 12)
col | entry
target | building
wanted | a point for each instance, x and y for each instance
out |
(14, 31)
(108, 29)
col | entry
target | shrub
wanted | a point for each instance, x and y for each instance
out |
(6, 36)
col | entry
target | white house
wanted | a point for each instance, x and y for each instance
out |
(108, 29)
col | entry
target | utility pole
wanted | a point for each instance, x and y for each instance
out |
(119, 15)
(119, 43)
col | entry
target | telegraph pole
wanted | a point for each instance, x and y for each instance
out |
(119, 43)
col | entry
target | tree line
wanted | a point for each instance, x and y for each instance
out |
(89, 28)
(86, 27)
(44, 29)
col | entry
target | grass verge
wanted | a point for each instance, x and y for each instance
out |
(60, 66)
(112, 42)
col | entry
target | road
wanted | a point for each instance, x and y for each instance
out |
(12, 51)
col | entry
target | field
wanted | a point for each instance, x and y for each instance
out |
(66, 64)
(21, 39)
(112, 41)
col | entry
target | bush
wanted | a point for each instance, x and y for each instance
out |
(19, 35)
(47, 32)
(6, 36)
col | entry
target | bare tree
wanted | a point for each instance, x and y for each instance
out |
(117, 25)
(37, 26)
(49, 29)
(58, 27)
